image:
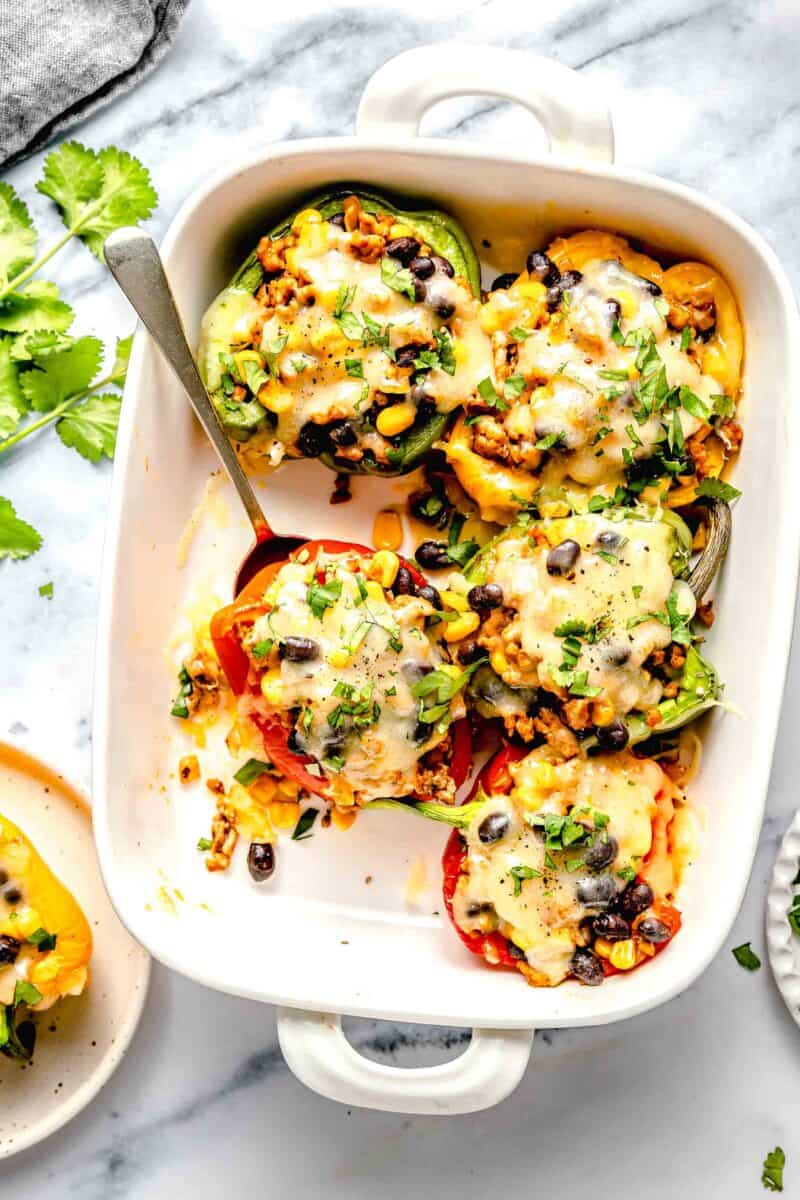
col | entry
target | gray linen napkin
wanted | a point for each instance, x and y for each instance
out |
(60, 60)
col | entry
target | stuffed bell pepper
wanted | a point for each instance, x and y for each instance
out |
(330, 655)
(613, 376)
(45, 941)
(351, 334)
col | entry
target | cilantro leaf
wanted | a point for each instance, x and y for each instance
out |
(26, 993)
(17, 234)
(447, 354)
(12, 401)
(122, 358)
(18, 539)
(97, 192)
(746, 957)
(305, 822)
(320, 596)
(772, 1170)
(717, 489)
(252, 769)
(520, 873)
(60, 373)
(398, 277)
(91, 427)
(36, 307)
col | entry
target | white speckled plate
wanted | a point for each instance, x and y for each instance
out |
(81, 1041)
(783, 945)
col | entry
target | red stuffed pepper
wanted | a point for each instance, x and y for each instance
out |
(332, 656)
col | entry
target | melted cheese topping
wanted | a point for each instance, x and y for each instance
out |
(31, 899)
(621, 575)
(371, 650)
(566, 361)
(510, 885)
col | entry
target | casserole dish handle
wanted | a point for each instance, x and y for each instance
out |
(319, 1054)
(566, 104)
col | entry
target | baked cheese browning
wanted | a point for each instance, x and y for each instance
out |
(45, 940)
(359, 334)
(609, 373)
(350, 666)
(574, 864)
(590, 606)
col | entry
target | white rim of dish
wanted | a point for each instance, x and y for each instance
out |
(782, 945)
(75, 1104)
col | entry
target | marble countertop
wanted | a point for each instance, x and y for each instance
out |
(689, 1096)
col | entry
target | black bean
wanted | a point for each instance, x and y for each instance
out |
(404, 583)
(25, 1033)
(337, 219)
(313, 440)
(433, 556)
(613, 736)
(611, 926)
(614, 310)
(298, 649)
(514, 950)
(485, 595)
(493, 828)
(294, 743)
(12, 895)
(653, 930)
(542, 268)
(343, 434)
(403, 249)
(443, 307)
(419, 396)
(9, 948)
(423, 267)
(404, 356)
(608, 539)
(431, 594)
(553, 298)
(635, 899)
(596, 890)
(260, 861)
(422, 732)
(586, 966)
(420, 291)
(617, 654)
(651, 287)
(705, 335)
(430, 507)
(3, 877)
(562, 558)
(469, 652)
(504, 281)
(443, 265)
(601, 853)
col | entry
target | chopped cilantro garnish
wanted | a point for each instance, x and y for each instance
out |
(354, 368)
(251, 771)
(42, 940)
(551, 441)
(521, 873)
(746, 957)
(772, 1170)
(203, 844)
(686, 337)
(398, 277)
(179, 706)
(488, 393)
(302, 829)
(519, 334)
(717, 489)
(320, 596)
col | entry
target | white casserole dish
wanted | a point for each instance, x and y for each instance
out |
(319, 942)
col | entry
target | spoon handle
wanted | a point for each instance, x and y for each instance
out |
(135, 263)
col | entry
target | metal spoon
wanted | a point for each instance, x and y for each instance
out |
(136, 265)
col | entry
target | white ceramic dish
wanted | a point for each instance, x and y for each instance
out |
(330, 945)
(81, 1041)
(782, 944)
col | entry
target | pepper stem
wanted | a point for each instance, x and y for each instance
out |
(459, 816)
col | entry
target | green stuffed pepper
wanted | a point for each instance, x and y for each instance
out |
(350, 334)
(586, 622)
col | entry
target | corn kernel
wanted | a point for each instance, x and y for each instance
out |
(623, 954)
(401, 230)
(343, 818)
(520, 939)
(544, 775)
(451, 669)
(603, 947)
(395, 419)
(374, 591)
(284, 814)
(307, 216)
(292, 261)
(645, 949)
(633, 372)
(339, 657)
(530, 289)
(453, 600)
(387, 530)
(188, 768)
(528, 797)
(263, 789)
(245, 356)
(274, 397)
(462, 627)
(384, 567)
(314, 240)
(627, 302)
(602, 712)
(272, 687)
(498, 661)
(490, 319)
(288, 788)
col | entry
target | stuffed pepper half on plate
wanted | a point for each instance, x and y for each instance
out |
(45, 941)
(586, 621)
(351, 334)
(566, 869)
(330, 656)
(611, 373)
